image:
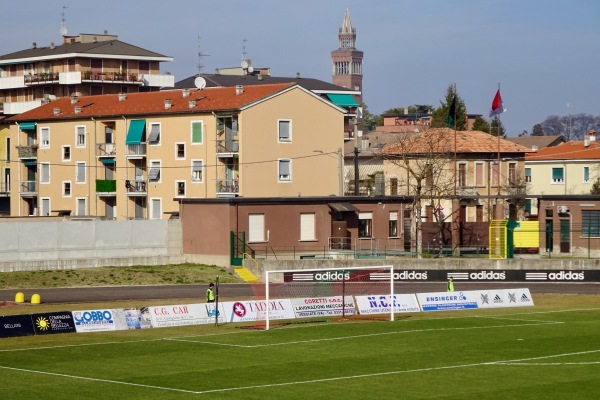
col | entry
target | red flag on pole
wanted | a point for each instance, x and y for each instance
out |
(497, 105)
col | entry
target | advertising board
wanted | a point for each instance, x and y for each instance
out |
(55, 322)
(381, 304)
(185, 314)
(16, 325)
(249, 310)
(323, 306)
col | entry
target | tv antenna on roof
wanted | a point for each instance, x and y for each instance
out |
(63, 24)
(200, 56)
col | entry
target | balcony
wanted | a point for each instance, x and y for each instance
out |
(158, 80)
(28, 152)
(136, 187)
(12, 82)
(136, 150)
(467, 191)
(106, 187)
(106, 150)
(227, 148)
(227, 187)
(41, 79)
(19, 107)
(28, 188)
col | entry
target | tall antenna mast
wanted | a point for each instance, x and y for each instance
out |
(244, 50)
(200, 56)
(63, 23)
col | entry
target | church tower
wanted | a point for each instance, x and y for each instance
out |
(346, 60)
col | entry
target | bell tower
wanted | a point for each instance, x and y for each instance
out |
(347, 60)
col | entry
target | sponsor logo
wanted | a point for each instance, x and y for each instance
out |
(485, 298)
(512, 298)
(566, 276)
(42, 323)
(93, 317)
(498, 299)
(525, 299)
(239, 309)
(488, 275)
(410, 275)
(332, 276)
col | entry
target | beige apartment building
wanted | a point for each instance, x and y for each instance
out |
(137, 155)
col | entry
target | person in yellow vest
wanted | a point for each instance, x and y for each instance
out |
(450, 284)
(210, 294)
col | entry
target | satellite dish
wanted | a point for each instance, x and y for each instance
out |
(244, 64)
(200, 82)
(250, 69)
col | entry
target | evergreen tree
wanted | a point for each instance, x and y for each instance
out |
(481, 124)
(440, 119)
(494, 127)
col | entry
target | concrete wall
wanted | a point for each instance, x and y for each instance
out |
(57, 244)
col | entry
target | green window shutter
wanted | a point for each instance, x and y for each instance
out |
(197, 132)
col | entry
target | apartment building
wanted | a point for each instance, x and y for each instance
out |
(136, 155)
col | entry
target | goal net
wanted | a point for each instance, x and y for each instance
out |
(324, 292)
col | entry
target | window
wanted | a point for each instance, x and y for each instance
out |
(180, 151)
(180, 188)
(558, 175)
(45, 207)
(307, 226)
(590, 223)
(512, 173)
(44, 138)
(256, 227)
(196, 170)
(393, 226)
(495, 173)
(586, 174)
(428, 174)
(154, 173)
(479, 178)
(528, 175)
(156, 211)
(285, 170)
(365, 224)
(196, 132)
(479, 213)
(462, 175)
(44, 173)
(66, 189)
(527, 206)
(66, 153)
(80, 136)
(81, 206)
(154, 136)
(284, 130)
(80, 172)
(393, 186)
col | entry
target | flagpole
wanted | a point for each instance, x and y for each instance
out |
(455, 167)
(499, 146)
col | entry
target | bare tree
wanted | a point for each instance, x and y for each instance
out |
(426, 160)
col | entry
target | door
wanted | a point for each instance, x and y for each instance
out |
(565, 236)
(339, 235)
(549, 235)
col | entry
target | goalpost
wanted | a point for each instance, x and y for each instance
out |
(331, 290)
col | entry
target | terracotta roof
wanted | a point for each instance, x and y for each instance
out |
(207, 100)
(442, 139)
(538, 141)
(573, 150)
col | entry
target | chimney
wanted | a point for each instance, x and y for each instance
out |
(192, 104)
(77, 110)
(185, 93)
(52, 45)
(34, 45)
(297, 75)
(56, 111)
(122, 96)
(239, 89)
(74, 99)
(167, 104)
(260, 77)
(592, 135)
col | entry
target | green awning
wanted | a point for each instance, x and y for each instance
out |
(27, 126)
(135, 132)
(30, 163)
(343, 100)
(108, 161)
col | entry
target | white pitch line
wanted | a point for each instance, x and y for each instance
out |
(214, 343)
(97, 379)
(549, 364)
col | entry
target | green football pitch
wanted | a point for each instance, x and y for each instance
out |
(549, 351)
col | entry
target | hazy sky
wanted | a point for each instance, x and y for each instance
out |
(544, 53)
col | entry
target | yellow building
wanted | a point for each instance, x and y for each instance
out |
(125, 156)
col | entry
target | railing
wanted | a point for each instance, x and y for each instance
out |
(106, 150)
(28, 151)
(136, 149)
(41, 78)
(228, 146)
(229, 186)
(106, 185)
(135, 186)
(27, 187)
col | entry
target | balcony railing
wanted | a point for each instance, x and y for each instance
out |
(135, 186)
(106, 186)
(106, 150)
(19, 107)
(227, 187)
(41, 78)
(136, 149)
(27, 187)
(28, 151)
(12, 82)
(228, 146)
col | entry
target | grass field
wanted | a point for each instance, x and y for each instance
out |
(549, 351)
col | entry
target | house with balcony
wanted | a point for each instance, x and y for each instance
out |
(82, 65)
(570, 168)
(137, 155)
(477, 169)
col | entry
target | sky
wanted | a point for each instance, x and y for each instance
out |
(544, 54)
